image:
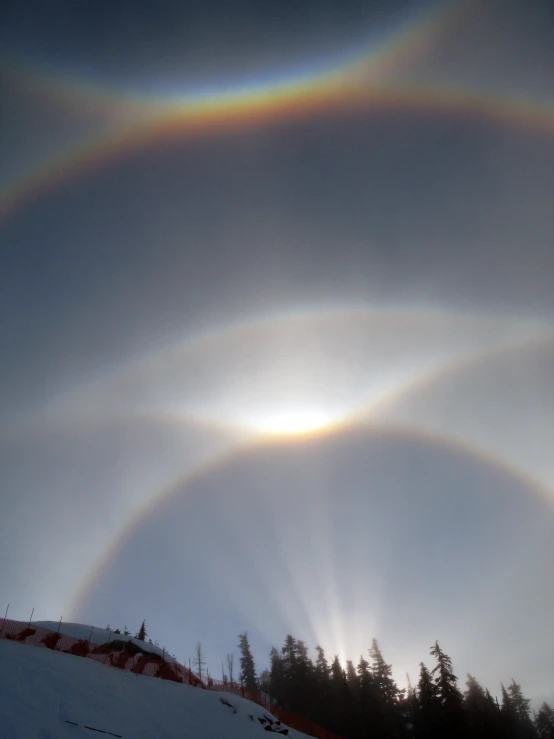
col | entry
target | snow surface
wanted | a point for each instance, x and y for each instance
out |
(42, 690)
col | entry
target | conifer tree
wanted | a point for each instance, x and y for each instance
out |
(387, 715)
(341, 699)
(544, 722)
(520, 707)
(322, 681)
(384, 683)
(482, 711)
(428, 712)
(351, 675)
(445, 680)
(302, 683)
(277, 679)
(265, 682)
(368, 706)
(365, 680)
(322, 669)
(142, 633)
(453, 717)
(408, 706)
(247, 668)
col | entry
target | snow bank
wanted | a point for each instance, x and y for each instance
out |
(50, 695)
(99, 636)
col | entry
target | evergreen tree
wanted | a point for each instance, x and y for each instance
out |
(408, 706)
(388, 717)
(265, 682)
(368, 708)
(288, 666)
(142, 633)
(303, 681)
(453, 716)
(247, 668)
(365, 681)
(544, 722)
(482, 711)
(341, 699)
(277, 679)
(520, 707)
(322, 682)
(383, 681)
(427, 716)
(445, 680)
(351, 675)
(322, 669)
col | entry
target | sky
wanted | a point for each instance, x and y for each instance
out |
(277, 336)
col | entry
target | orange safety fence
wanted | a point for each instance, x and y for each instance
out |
(150, 666)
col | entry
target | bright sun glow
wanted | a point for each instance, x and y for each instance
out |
(293, 421)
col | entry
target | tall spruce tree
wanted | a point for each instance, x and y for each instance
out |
(278, 679)
(247, 667)
(322, 681)
(520, 707)
(453, 716)
(544, 722)
(142, 632)
(341, 700)
(427, 718)
(508, 714)
(388, 717)
(384, 683)
(482, 711)
(303, 682)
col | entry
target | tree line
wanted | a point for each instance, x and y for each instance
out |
(364, 701)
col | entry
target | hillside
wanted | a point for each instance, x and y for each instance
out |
(49, 695)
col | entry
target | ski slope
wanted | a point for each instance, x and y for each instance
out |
(45, 694)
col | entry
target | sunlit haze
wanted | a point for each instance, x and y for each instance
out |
(277, 336)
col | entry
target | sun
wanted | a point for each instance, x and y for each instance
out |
(292, 422)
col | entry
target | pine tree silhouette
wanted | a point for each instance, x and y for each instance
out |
(482, 711)
(247, 668)
(453, 716)
(544, 722)
(520, 707)
(388, 717)
(427, 718)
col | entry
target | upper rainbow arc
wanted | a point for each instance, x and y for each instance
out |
(364, 82)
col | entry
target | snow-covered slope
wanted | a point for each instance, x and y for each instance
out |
(49, 695)
(97, 636)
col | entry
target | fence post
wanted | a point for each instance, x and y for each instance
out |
(4, 621)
